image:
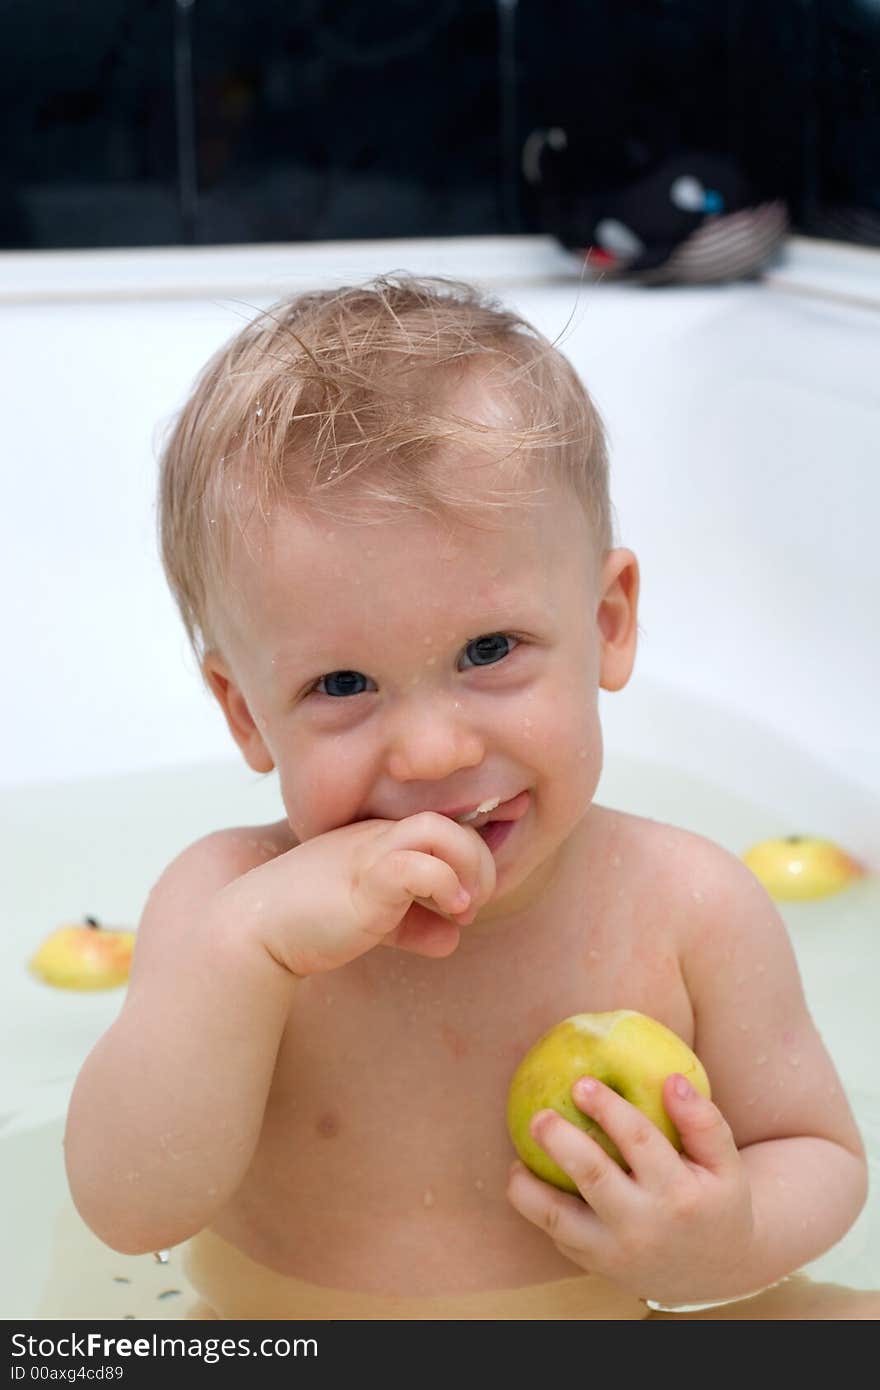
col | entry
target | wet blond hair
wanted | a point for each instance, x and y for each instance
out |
(341, 403)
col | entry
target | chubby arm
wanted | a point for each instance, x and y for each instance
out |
(772, 1078)
(772, 1170)
(166, 1110)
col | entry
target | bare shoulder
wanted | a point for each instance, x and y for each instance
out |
(204, 867)
(711, 908)
(770, 1073)
(220, 856)
(682, 869)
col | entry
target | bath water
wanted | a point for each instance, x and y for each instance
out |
(95, 847)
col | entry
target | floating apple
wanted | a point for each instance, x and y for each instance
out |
(84, 955)
(796, 868)
(626, 1050)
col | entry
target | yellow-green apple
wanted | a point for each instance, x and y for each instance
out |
(796, 868)
(626, 1050)
(84, 955)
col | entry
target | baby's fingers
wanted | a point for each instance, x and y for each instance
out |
(424, 933)
(404, 875)
(647, 1152)
(601, 1182)
(705, 1135)
(431, 881)
(569, 1223)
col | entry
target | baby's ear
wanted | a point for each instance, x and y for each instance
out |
(617, 618)
(237, 713)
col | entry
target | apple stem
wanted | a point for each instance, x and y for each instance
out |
(92, 922)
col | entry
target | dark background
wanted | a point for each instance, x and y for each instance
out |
(162, 122)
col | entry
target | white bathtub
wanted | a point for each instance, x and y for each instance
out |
(744, 423)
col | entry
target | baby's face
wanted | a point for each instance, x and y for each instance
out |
(411, 665)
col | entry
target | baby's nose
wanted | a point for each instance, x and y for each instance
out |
(432, 744)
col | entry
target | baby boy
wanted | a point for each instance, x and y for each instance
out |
(385, 520)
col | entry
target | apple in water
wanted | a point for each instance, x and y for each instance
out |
(626, 1050)
(797, 868)
(83, 956)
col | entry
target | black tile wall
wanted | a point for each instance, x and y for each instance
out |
(157, 122)
(87, 106)
(320, 120)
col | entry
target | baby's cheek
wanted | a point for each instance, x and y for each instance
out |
(315, 797)
(562, 740)
(580, 754)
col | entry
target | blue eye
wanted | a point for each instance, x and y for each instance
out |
(488, 650)
(347, 681)
(483, 651)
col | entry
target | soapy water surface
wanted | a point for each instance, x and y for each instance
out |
(108, 839)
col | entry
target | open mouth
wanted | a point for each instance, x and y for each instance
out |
(494, 819)
(495, 832)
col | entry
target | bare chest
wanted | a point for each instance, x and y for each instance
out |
(383, 1159)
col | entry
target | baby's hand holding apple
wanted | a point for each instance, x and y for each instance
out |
(374, 882)
(673, 1229)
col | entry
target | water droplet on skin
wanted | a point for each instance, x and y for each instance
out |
(744, 1027)
(582, 753)
(479, 1184)
(697, 896)
(794, 1061)
(428, 641)
(432, 661)
(595, 955)
(615, 861)
(428, 1198)
(761, 1061)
